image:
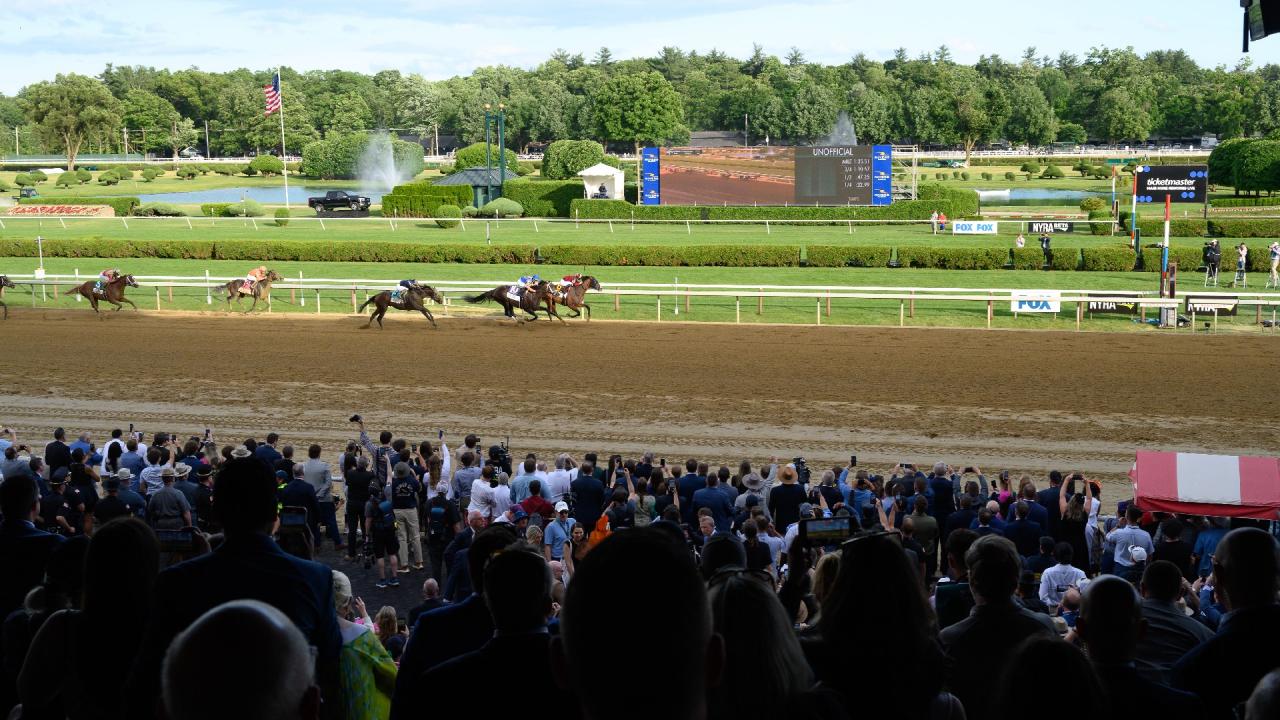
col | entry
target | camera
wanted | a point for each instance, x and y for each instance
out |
(802, 470)
(355, 418)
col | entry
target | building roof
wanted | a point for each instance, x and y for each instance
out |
(475, 177)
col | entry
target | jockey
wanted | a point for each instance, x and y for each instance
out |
(255, 276)
(570, 280)
(403, 287)
(105, 277)
(528, 281)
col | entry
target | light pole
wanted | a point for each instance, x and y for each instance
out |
(500, 117)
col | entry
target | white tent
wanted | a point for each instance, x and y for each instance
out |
(602, 181)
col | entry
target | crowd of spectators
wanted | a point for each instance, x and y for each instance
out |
(181, 579)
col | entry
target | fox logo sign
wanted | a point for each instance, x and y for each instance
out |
(1036, 302)
(973, 227)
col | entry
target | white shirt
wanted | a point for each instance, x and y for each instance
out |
(556, 485)
(1055, 581)
(149, 478)
(482, 498)
(501, 499)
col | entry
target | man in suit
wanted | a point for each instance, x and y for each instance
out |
(24, 550)
(518, 598)
(962, 518)
(57, 454)
(247, 566)
(267, 452)
(1035, 511)
(453, 630)
(588, 493)
(430, 601)
(1224, 670)
(1048, 499)
(1024, 533)
(1110, 624)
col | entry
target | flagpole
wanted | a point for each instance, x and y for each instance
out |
(284, 159)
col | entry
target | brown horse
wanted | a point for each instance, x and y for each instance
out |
(574, 295)
(533, 300)
(235, 290)
(412, 299)
(112, 292)
(5, 282)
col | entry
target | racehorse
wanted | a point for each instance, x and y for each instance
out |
(574, 295)
(533, 300)
(112, 292)
(5, 282)
(235, 290)
(412, 299)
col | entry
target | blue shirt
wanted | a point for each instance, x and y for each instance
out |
(80, 444)
(555, 535)
(520, 488)
(1206, 544)
(134, 462)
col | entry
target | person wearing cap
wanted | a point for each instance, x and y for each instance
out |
(128, 495)
(1127, 537)
(111, 507)
(405, 491)
(557, 533)
(205, 519)
(167, 507)
(182, 482)
(61, 510)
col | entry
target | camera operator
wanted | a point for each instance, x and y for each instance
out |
(1212, 260)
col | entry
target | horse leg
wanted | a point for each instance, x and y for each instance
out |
(127, 300)
(379, 313)
(254, 305)
(588, 309)
(427, 314)
(6, 309)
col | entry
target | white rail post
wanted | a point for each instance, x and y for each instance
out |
(79, 297)
(902, 312)
(208, 289)
(317, 301)
(737, 309)
(189, 223)
(304, 292)
(818, 312)
(157, 297)
(659, 306)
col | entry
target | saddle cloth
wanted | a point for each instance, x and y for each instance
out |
(514, 293)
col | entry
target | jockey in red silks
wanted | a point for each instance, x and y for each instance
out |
(105, 277)
(255, 276)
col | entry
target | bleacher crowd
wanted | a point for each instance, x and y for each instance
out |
(181, 579)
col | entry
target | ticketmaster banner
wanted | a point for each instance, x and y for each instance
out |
(973, 227)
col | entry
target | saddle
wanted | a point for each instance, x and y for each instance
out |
(246, 288)
(398, 294)
(99, 291)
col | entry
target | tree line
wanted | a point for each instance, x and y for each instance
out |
(1108, 94)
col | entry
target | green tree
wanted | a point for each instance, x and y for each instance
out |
(474, 155)
(1072, 133)
(70, 110)
(1031, 118)
(267, 165)
(563, 159)
(147, 115)
(1258, 166)
(980, 109)
(641, 108)
(811, 112)
(349, 112)
(181, 134)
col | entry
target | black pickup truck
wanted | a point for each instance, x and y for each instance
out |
(338, 199)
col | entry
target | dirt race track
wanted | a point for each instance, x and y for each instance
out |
(999, 399)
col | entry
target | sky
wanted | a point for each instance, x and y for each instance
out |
(437, 40)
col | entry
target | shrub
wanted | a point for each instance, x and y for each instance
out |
(840, 256)
(247, 208)
(123, 173)
(224, 169)
(296, 167)
(986, 176)
(108, 178)
(1008, 176)
(501, 207)
(282, 217)
(66, 179)
(1052, 172)
(564, 159)
(267, 165)
(1081, 167)
(1108, 259)
(122, 205)
(158, 209)
(952, 258)
(1130, 168)
(1245, 202)
(4, 186)
(964, 175)
(955, 174)
(1029, 176)
(1090, 204)
(23, 180)
(37, 176)
(186, 173)
(248, 170)
(448, 211)
(421, 199)
(1100, 172)
(83, 176)
(544, 198)
(473, 156)
(214, 209)
(1029, 167)
(470, 211)
(1098, 227)
(526, 168)
(150, 174)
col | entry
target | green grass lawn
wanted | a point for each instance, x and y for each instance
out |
(720, 309)
(169, 183)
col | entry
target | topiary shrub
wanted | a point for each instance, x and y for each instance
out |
(282, 217)
(215, 209)
(1008, 176)
(1099, 172)
(1100, 227)
(66, 179)
(83, 176)
(501, 207)
(4, 186)
(222, 169)
(150, 174)
(564, 159)
(955, 174)
(23, 180)
(1029, 167)
(123, 173)
(159, 209)
(964, 175)
(108, 178)
(470, 211)
(248, 170)
(186, 173)
(986, 176)
(37, 176)
(1053, 172)
(202, 169)
(248, 208)
(267, 165)
(448, 211)
(1092, 204)
(473, 156)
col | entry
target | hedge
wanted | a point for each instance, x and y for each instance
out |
(840, 256)
(282, 217)
(1245, 202)
(1216, 227)
(544, 198)
(159, 209)
(953, 258)
(420, 199)
(501, 208)
(215, 209)
(123, 205)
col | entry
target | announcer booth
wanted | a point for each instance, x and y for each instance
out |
(1214, 485)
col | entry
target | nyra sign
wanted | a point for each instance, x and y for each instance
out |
(973, 227)
(1044, 301)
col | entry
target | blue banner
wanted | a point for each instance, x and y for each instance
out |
(882, 175)
(650, 177)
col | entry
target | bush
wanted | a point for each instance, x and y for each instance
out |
(267, 165)
(23, 180)
(108, 178)
(544, 198)
(214, 209)
(840, 256)
(955, 174)
(247, 208)
(296, 167)
(1082, 167)
(952, 258)
(1008, 176)
(248, 170)
(338, 157)
(1029, 176)
(83, 176)
(186, 173)
(564, 159)
(526, 168)
(37, 176)
(158, 209)
(1052, 172)
(4, 186)
(122, 205)
(470, 211)
(421, 199)
(1100, 172)
(202, 169)
(1230, 202)
(1108, 259)
(150, 174)
(224, 169)
(123, 173)
(964, 175)
(448, 211)
(501, 207)
(1093, 203)
(1029, 167)
(986, 176)
(66, 179)
(1098, 227)
(282, 217)
(473, 156)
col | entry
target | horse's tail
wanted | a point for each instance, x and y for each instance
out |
(366, 302)
(476, 299)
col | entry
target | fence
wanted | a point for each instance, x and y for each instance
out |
(819, 297)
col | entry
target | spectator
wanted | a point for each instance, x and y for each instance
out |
(64, 669)
(267, 452)
(457, 584)
(1037, 564)
(57, 454)
(318, 475)
(205, 519)
(557, 533)
(207, 660)
(24, 550)
(450, 631)
(430, 600)
(649, 570)
(1025, 534)
(385, 625)
(465, 477)
(520, 483)
(786, 498)
(1074, 521)
(113, 506)
(984, 523)
(926, 533)
(535, 504)
(1224, 670)
(1206, 542)
(960, 519)
(1173, 549)
(758, 555)
(1049, 500)
(84, 479)
(380, 533)
(168, 508)
(1022, 684)
(1264, 703)
(17, 462)
(519, 602)
(983, 642)
(588, 493)
(1055, 580)
(405, 493)
(686, 486)
(558, 481)
(149, 479)
(247, 565)
(715, 500)
(356, 482)
(1127, 536)
(1169, 634)
(953, 600)
(62, 511)
(367, 670)
(1110, 623)
(443, 524)
(381, 453)
(183, 483)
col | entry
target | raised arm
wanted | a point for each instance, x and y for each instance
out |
(1062, 497)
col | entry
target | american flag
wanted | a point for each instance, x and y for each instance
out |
(272, 92)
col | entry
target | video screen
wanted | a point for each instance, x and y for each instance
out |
(820, 175)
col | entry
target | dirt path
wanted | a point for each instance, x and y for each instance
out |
(1018, 400)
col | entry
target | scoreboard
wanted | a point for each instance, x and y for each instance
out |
(833, 175)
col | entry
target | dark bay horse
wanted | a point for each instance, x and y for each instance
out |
(532, 301)
(412, 299)
(112, 292)
(573, 297)
(5, 282)
(235, 290)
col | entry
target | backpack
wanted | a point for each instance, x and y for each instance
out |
(437, 529)
(384, 518)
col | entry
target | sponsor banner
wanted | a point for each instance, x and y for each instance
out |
(1182, 183)
(1114, 308)
(1050, 228)
(1036, 301)
(77, 210)
(650, 177)
(974, 227)
(882, 175)
(1222, 304)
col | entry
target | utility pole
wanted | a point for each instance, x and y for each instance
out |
(206, 139)
(746, 130)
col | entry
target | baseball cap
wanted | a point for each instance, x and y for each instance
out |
(282, 475)
(519, 515)
(562, 506)
(1138, 554)
(806, 509)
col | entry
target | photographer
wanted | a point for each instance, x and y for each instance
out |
(1212, 255)
(380, 453)
(357, 481)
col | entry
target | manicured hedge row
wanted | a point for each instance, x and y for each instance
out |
(673, 255)
(215, 209)
(544, 198)
(420, 199)
(121, 204)
(1245, 202)
(953, 258)
(955, 203)
(837, 256)
(1216, 227)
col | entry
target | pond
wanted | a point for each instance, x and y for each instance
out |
(298, 195)
(1037, 196)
